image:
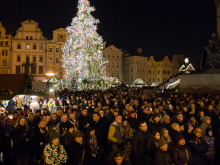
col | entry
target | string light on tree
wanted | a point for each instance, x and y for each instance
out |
(83, 60)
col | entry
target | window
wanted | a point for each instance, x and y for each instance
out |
(113, 75)
(6, 53)
(50, 50)
(109, 66)
(18, 69)
(153, 71)
(138, 69)
(31, 38)
(34, 46)
(19, 46)
(136, 62)
(41, 47)
(118, 75)
(131, 69)
(26, 37)
(33, 69)
(3, 53)
(168, 72)
(142, 62)
(4, 62)
(1, 42)
(57, 60)
(18, 58)
(139, 62)
(5, 71)
(158, 64)
(50, 60)
(117, 65)
(6, 43)
(40, 69)
(61, 73)
(164, 71)
(108, 54)
(149, 71)
(158, 71)
(34, 59)
(113, 65)
(158, 79)
(113, 55)
(143, 70)
(153, 64)
(41, 59)
(0, 34)
(117, 55)
(28, 46)
(57, 50)
(131, 78)
(103, 54)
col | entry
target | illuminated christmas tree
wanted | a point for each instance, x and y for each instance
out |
(83, 60)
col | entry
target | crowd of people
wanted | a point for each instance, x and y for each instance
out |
(114, 128)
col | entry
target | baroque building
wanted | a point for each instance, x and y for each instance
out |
(29, 51)
(5, 47)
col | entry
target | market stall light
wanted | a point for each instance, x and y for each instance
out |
(50, 74)
(51, 90)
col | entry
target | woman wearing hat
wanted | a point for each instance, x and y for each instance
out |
(206, 124)
(162, 157)
(54, 152)
(181, 154)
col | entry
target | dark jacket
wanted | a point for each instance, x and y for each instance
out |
(154, 127)
(83, 121)
(198, 150)
(21, 147)
(162, 158)
(133, 123)
(139, 145)
(181, 155)
(101, 133)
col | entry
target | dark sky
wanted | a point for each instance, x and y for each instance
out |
(160, 27)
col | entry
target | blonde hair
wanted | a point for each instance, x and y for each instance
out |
(174, 125)
(162, 135)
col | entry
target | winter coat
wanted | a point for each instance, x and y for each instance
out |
(154, 127)
(83, 121)
(10, 108)
(51, 124)
(139, 145)
(52, 151)
(181, 155)
(128, 137)
(62, 127)
(198, 150)
(173, 134)
(162, 158)
(22, 147)
(211, 142)
(203, 127)
(133, 123)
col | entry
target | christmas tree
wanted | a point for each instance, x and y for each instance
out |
(83, 59)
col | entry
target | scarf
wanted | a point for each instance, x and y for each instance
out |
(93, 145)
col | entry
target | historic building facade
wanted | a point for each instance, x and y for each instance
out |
(28, 53)
(54, 52)
(114, 64)
(5, 47)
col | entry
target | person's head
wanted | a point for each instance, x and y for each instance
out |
(84, 112)
(197, 132)
(68, 111)
(78, 136)
(156, 118)
(142, 126)
(64, 118)
(118, 118)
(201, 114)
(31, 116)
(209, 132)
(130, 109)
(157, 135)
(146, 107)
(180, 117)
(182, 128)
(115, 113)
(27, 111)
(22, 121)
(162, 144)
(160, 107)
(101, 113)
(133, 115)
(42, 125)
(206, 119)
(38, 113)
(43, 118)
(180, 140)
(70, 128)
(96, 117)
(90, 132)
(125, 123)
(175, 126)
(166, 119)
(117, 157)
(59, 112)
(54, 116)
(15, 115)
(18, 111)
(210, 108)
(164, 133)
(54, 137)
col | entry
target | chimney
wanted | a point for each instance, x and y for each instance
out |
(139, 50)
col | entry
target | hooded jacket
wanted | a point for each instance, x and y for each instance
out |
(181, 155)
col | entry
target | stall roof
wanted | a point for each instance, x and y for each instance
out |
(138, 82)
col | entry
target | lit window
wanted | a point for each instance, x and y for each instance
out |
(41, 47)
(57, 60)
(50, 60)
(57, 50)
(50, 49)
(28, 46)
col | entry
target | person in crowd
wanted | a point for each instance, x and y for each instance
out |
(162, 157)
(165, 135)
(78, 153)
(41, 139)
(152, 144)
(46, 112)
(54, 107)
(116, 158)
(7, 123)
(14, 119)
(84, 121)
(92, 145)
(175, 130)
(210, 140)
(63, 125)
(198, 147)
(206, 124)
(145, 114)
(166, 122)
(52, 122)
(38, 115)
(22, 142)
(32, 124)
(139, 143)
(128, 137)
(193, 121)
(54, 152)
(155, 124)
(116, 134)
(133, 121)
(181, 154)
(68, 137)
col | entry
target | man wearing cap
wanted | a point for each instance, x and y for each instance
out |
(155, 124)
(162, 157)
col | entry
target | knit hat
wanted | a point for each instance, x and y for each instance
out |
(205, 118)
(54, 135)
(156, 115)
(207, 131)
(161, 142)
(179, 137)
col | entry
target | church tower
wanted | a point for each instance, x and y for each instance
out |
(217, 3)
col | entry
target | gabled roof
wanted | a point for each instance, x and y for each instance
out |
(111, 46)
(60, 29)
(138, 82)
(29, 21)
(134, 53)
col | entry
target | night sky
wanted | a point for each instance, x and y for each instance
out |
(160, 27)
